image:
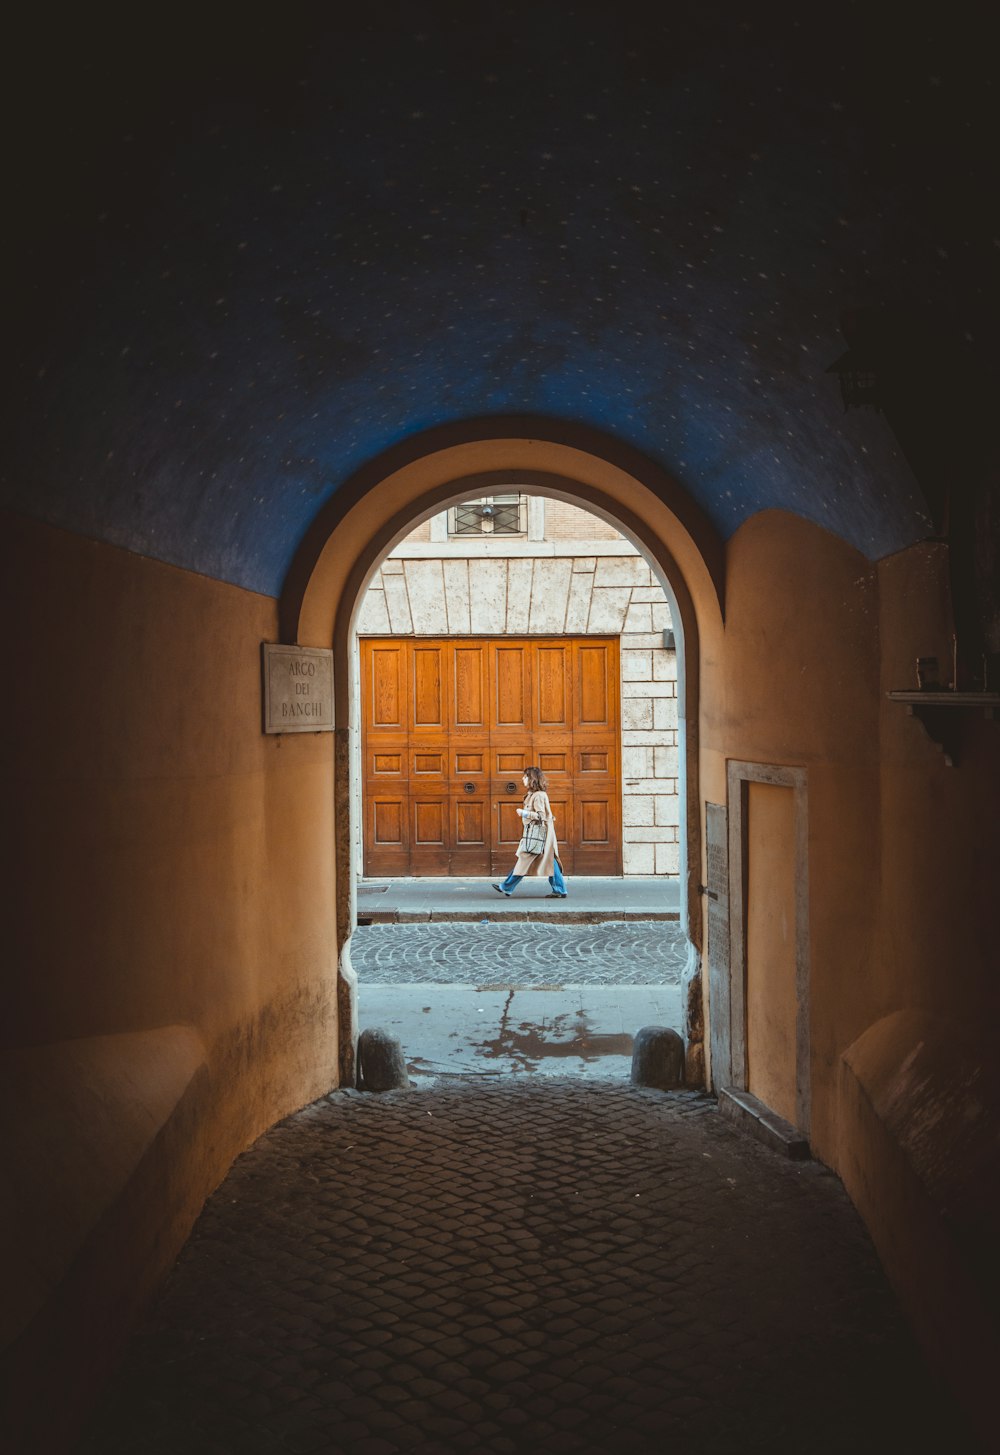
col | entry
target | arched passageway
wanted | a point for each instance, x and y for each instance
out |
(328, 580)
(510, 629)
(217, 321)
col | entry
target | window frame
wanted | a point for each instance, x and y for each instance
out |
(499, 497)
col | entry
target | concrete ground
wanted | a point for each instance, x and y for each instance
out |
(462, 1030)
(402, 901)
(515, 998)
(512, 1267)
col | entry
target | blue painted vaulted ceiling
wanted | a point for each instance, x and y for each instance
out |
(247, 261)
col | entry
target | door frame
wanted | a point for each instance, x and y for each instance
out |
(739, 776)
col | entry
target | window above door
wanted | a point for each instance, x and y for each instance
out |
(504, 514)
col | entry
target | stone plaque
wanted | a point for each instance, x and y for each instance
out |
(719, 993)
(297, 689)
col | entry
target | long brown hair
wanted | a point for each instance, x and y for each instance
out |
(537, 782)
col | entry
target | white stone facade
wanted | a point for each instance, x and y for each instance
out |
(553, 588)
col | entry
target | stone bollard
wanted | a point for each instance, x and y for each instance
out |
(657, 1058)
(381, 1064)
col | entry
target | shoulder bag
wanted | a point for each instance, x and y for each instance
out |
(533, 837)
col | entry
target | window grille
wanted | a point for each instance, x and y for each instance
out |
(496, 515)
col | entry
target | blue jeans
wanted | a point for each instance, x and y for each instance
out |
(556, 881)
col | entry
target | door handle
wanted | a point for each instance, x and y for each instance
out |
(511, 788)
(470, 788)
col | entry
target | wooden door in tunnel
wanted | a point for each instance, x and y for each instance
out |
(448, 727)
(768, 1046)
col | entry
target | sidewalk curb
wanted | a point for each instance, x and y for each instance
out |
(513, 916)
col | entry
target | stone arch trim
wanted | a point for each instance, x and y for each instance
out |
(382, 504)
(532, 431)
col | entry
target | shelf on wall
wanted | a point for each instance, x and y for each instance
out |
(936, 712)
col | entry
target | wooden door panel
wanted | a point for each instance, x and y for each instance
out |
(428, 818)
(552, 674)
(389, 822)
(387, 848)
(509, 762)
(596, 753)
(429, 836)
(385, 756)
(509, 823)
(470, 833)
(428, 761)
(386, 678)
(511, 689)
(598, 839)
(449, 723)
(470, 689)
(428, 688)
(385, 762)
(593, 760)
(471, 822)
(597, 690)
(595, 821)
(554, 760)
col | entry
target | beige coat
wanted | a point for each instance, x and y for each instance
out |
(543, 863)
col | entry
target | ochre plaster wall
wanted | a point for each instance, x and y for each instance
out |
(901, 887)
(920, 1090)
(793, 680)
(173, 945)
(937, 941)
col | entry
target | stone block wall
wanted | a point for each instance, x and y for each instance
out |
(611, 592)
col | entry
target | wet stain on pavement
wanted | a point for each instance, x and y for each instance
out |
(562, 1036)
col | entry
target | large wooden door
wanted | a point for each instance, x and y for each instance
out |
(448, 727)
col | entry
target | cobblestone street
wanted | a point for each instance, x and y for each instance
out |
(519, 998)
(518, 1268)
(523, 954)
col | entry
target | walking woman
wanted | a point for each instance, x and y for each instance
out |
(537, 812)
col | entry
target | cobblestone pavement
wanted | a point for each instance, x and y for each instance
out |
(520, 954)
(542, 1267)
